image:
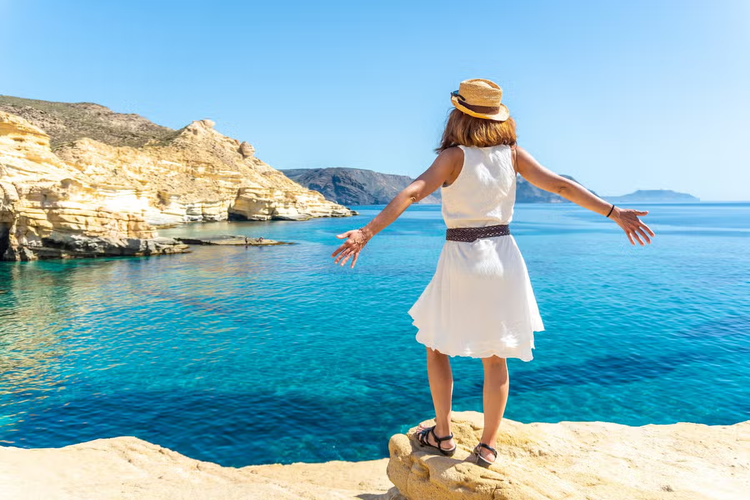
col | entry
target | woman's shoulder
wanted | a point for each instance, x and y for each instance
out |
(453, 153)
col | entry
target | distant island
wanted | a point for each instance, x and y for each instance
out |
(652, 195)
(356, 186)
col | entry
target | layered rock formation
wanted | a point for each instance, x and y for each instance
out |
(568, 460)
(197, 175)
(48, 209)
(63, 202)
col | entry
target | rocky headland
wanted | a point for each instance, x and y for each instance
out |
(567, 460)
(80, 180)
(355, 186)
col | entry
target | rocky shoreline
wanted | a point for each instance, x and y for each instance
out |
(84, 197)
(566, 460)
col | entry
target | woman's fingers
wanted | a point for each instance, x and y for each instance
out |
(635, 234)
(340, 248)
(350, 248)
(643, 234)
(342, 255)
(346, 258)
(648, 229)
(634, 227)
(341, 236)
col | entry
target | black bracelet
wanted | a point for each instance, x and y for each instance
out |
(610, 210)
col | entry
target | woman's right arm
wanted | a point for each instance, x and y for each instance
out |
(543, 178)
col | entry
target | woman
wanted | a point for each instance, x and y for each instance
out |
(480, 302)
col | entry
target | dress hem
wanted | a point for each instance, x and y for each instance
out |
(482, 355)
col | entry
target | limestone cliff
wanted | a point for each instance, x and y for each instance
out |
(567, 460)
(197, 175)
(48, 209)
(149, 176)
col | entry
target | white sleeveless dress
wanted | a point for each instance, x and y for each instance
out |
(480, 301)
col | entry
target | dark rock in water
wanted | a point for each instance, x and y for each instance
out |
(227, 240)
(293, 217)
(75, 246)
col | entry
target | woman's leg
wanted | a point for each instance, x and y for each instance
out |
(496, 383)
(441, 387)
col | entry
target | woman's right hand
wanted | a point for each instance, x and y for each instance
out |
(627, 219)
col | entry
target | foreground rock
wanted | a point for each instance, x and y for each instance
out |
(129, 468)
(576, 460)
(568, 460)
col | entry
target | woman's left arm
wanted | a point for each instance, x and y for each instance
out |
(424, 185)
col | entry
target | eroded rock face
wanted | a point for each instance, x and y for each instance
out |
(578, 460)
(199, 175)
(90, 198)
(49, 210)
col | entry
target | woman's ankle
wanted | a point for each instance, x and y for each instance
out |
(444, 430)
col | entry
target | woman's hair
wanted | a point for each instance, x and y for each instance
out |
(466, 130)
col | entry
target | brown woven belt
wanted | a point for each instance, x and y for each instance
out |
(472, 233)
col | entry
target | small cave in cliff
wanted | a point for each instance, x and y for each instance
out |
(4, 238)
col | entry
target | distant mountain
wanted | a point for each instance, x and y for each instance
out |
(528, 193)
(355, 186)
(652, 195)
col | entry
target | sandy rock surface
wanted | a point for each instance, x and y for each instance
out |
(567, 460)
(579, 460)
(126, 468)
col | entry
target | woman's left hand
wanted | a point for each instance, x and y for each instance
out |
(356, 239)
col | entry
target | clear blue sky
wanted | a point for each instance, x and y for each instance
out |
(622, 95)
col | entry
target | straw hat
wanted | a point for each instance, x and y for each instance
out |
(480, 98)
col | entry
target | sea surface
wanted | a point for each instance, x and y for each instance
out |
(257, 355)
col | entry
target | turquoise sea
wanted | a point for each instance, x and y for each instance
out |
(255, 355)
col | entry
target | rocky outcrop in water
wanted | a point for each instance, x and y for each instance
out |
(97, 196)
